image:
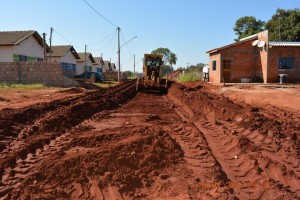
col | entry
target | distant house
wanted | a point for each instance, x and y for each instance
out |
(98, 65)
(113, 67)
(85, 62)
(255, 58)
(66, 55)
(21, 46)
(109, 67)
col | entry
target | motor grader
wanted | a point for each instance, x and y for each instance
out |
(152, 79)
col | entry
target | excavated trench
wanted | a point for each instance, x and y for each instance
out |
(118, 144)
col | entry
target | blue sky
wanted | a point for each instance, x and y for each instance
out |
(188, 28)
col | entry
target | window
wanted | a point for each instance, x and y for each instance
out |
(214, 65)
(23, 58)
(286, 63)
(99, 70)
(68, 67)
(40, 59)
(74, 68)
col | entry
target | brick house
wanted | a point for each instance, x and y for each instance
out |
(85, 65)
(98, 65)
(18, 46)
(255, 58)
(66, 56)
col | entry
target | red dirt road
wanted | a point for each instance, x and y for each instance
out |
(192, 143)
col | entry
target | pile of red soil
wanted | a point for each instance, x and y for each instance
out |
(128, 160)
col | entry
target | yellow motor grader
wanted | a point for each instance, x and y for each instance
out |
(152, 79)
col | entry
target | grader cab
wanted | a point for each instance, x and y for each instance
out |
(152, 79)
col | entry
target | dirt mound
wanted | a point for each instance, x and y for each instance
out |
(41, 122)
(241, 134)
(130, 161)
(193, 143)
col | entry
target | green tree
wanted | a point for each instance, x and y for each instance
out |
(169, 59)
(162, 51)
(166, 69)
(284, 25)
(247, 25)
(172, 59)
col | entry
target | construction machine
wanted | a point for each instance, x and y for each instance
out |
(152, 79)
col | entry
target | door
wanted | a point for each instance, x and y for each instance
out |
(226, 71)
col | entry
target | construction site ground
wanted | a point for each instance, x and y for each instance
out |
(198, 141)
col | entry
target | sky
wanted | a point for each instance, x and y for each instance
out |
(189, 28)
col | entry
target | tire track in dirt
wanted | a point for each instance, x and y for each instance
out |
(245, 154)
(51, 122)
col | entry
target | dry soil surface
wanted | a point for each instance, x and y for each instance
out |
(192, 143)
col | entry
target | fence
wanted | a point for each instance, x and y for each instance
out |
(49, 74)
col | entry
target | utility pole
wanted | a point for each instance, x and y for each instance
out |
(51, 30)
(85, 61)
(119, 52)
(45, 46)
(134, 65)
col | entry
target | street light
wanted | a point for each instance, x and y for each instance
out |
(119, 51)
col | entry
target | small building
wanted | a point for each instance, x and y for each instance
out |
(98, 65)
(255, 59)
(85, 63)
(18, 46)
(107, 66)
(113, 66)
(66, 56)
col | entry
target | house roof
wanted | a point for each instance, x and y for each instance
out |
(284, 44)
(59, 51)
(99, 60)
(251, 37)
(88, 55)
(11, 38)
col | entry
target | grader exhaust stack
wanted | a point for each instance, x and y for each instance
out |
(152, 79)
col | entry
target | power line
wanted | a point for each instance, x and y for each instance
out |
(126, 43)
(99, 13)
(106, 44)
(66, 39)
(102, 39)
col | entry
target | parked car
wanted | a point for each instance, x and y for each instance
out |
(99, 77)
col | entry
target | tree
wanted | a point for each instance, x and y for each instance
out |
(284, 25)
(248, 25)
(166, 69)
(172, 59)
(162, 51)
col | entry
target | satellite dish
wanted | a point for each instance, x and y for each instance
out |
(255, 42)
(261, 44)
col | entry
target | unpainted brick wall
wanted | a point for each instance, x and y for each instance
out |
(46, 73)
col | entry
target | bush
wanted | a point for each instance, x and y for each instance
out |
(189, 77)
(22, 86)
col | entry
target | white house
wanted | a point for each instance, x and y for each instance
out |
(66, 55)
(85, 62)
(98, 65)
(21, 46)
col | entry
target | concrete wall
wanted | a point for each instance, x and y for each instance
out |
(46, 73)
(6, 54)
(80, 64)
(29, 47)
(68, 58)
(275, 53)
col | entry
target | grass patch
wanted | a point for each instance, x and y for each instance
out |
(107, 84)
(189, 77)
(22, 86)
